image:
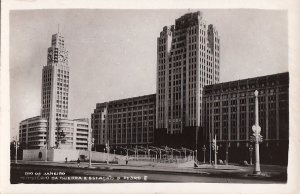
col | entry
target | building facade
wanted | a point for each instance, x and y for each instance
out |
(188, 58)
(230, 114)
(124, 122)
(76, 133)
(33, 132)
(53, 129)
(55, 86)
(69, 134)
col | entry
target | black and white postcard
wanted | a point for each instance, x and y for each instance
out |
(171, 98)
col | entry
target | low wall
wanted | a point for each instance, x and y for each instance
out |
(56, 155)
(102, 157)
(187, 164)
(62, 154)
(96, 156)
(31, 155)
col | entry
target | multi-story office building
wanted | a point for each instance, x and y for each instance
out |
(53, 126)
(188, 58)
(55, 85)
(124, 122)
(33, 132)
(76, 133)
(70, 134)
(230, 114)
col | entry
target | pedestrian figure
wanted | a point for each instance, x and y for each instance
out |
(78, 162)
(66, 160)
(126, 160)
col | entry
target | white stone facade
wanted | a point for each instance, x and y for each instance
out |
(188, 58)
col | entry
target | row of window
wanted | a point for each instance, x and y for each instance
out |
(59, 115)
(63, 72)
(268, 90)
(243, 101)
(271, 97)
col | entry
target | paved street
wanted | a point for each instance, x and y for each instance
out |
(52, 172)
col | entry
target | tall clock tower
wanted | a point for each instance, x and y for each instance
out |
(55, 86)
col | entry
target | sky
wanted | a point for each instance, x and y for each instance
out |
(112, 53)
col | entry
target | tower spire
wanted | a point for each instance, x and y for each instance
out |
(58, 28)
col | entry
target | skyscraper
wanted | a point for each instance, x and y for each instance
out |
(188, 58)
(53, 125)
(55, 85)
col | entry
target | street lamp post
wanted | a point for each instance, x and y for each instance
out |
(250, 150)
(90, 155)
(104, 153)
(210, 146)
(91, 143)
(114, 154)
(180, 156)
(227, 153)
(204, 149)
(193, 155)
(160, 154)
(136, 153)
(17, 145)
(46, 152)
(108, 151)
(256, 129)
(216, 149)
(46, 148)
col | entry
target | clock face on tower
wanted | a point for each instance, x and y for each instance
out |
(62, 56)
(50, 56)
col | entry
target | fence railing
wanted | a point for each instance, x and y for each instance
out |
(163, 159)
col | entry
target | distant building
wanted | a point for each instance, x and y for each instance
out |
(124, 122)
(188, 58)
(33, 132)
(53, 126)
(230, 114)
